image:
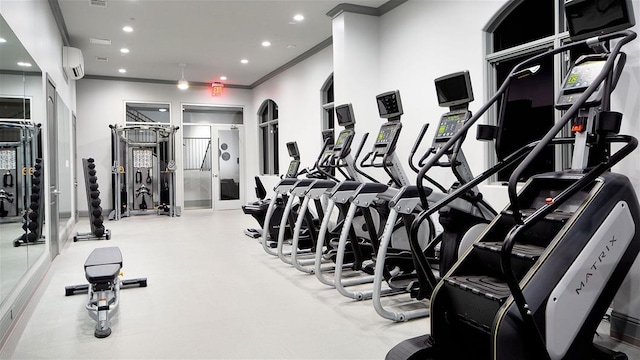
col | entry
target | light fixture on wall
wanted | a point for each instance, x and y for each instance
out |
(183, 84)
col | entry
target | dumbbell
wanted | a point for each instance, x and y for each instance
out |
(99, 231)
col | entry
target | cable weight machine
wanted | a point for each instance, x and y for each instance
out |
(143, 172)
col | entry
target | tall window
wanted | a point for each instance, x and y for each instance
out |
(328, 121)
(522, 29)
(268, 126)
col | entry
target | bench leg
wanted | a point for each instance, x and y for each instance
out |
(103, 328)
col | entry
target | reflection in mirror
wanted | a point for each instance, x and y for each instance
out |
(137, 113)
(20, 92)
(64, 163)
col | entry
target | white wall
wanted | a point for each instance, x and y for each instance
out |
(101, 103)
(297, 93)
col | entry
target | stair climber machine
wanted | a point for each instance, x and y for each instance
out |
(538, 281)
(394, 261)
(361, 229)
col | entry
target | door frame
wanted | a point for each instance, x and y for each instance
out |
(217, 203)
(51, 163)
(242, 153)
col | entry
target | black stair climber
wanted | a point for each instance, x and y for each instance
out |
(477, 290)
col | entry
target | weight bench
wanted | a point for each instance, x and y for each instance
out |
(102, 271)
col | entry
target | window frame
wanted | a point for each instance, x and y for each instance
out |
(270, 125)
(562, 157)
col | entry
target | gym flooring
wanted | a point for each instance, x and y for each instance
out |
(213, 293)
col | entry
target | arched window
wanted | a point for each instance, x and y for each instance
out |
(521, 29)
(268, 126)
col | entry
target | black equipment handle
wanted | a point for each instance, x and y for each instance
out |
(416, 144)
(138, 176)
(626, 36)
(149, 178)
(7, 179)
(355, 159)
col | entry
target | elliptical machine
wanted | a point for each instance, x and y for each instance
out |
(258, 209)
(538, 280)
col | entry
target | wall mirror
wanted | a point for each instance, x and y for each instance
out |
(21, 202)
(65, 173)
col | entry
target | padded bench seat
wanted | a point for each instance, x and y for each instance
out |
(103, 265)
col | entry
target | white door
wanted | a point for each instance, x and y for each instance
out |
(227, 145)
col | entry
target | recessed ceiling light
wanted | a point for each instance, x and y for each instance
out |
(298, 17)
(124, 50)
(127, 29)
(3, 40)
(244, 61)
(25, 64)
(266, 43)
(122, 71)
(223, 78)
(162, 110)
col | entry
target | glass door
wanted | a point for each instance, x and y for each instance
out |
(227, 166)
(196, 150)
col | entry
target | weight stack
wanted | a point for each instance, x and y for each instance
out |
(96, 220)
(34, 215)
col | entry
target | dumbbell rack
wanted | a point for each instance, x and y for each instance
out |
(96, 220)
(34, 215)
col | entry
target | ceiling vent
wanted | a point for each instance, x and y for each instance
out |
(99, 41)
(73, 62)
(102, 58)
(100, 3)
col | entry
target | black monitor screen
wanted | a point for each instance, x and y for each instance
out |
(344, 114)
(292, 147)
(589, 18)
(454, 89)
(328, 137)
(389, 104)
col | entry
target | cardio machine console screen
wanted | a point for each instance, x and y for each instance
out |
(450, 124)
(344, 115)
(578, 80)
(344, 140)
(292, 172)
(454, 89)
(387, 136)
(389, 104)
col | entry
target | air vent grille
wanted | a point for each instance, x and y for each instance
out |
(100, 3)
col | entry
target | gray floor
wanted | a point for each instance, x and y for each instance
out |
(213, 293)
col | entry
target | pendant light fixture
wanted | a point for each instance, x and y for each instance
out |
(183, 84)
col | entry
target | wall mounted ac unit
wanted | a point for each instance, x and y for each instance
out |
(73, 62)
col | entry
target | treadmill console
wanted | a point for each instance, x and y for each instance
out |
(581, 76)
(389, 104)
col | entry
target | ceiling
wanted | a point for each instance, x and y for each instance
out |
(209, 36)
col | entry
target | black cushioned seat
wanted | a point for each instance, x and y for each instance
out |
(103, 264)
(102, 273)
